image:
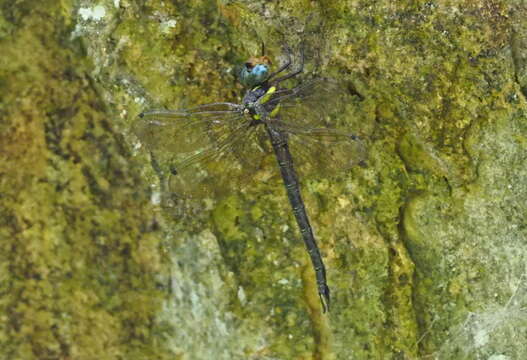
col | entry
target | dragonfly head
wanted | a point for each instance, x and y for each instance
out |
(255, 71)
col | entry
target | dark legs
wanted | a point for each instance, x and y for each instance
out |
(285, 66)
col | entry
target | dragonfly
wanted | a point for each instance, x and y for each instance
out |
(283, 113)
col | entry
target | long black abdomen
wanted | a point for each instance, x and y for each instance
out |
(285, 162)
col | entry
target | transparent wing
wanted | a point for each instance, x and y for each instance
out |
(313, 114)
(208, 149)
(185, 131)
(322, 152)
(310, 102)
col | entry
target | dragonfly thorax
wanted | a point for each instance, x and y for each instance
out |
(254, 94)
(256, 102)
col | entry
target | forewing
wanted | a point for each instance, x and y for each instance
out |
(313, 114)
(313, 103)
(207, 150)
(185, 131)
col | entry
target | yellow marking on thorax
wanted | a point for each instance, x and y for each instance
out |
(275, 111)
(267, 96)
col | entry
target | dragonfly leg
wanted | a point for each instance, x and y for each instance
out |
(294, 73)
(284, 66)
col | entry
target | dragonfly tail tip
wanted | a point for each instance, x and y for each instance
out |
(324, 299)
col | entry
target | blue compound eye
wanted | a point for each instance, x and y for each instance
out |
(260, 70)
(254, 74)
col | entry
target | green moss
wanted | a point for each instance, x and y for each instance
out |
(79, 256)
(429, 230)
